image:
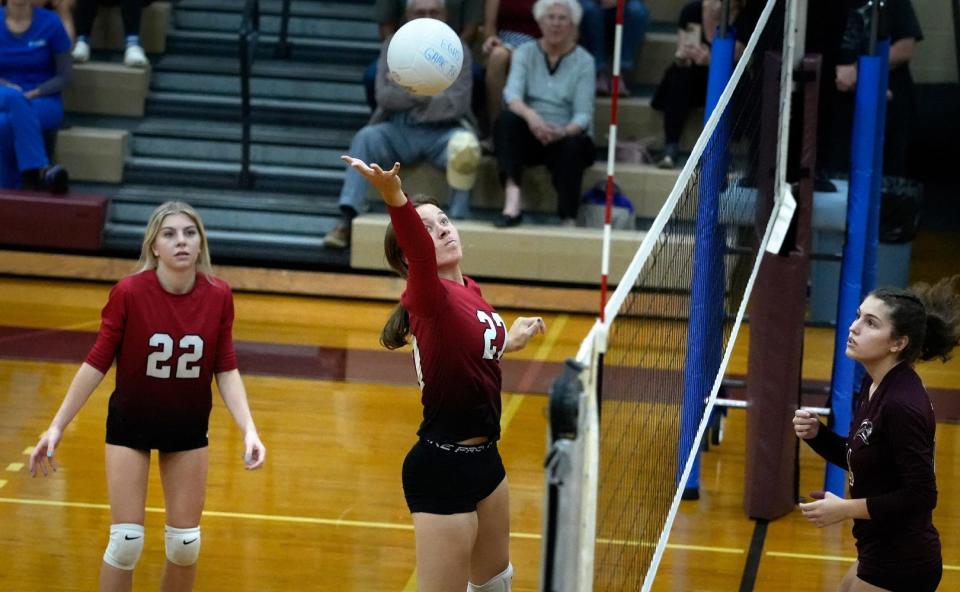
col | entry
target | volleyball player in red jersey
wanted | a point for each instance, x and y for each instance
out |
(889, 453)
(169, 327)
(453, 477)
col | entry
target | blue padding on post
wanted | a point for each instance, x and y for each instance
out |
(869, 96)
(873, 221)
(704, 331)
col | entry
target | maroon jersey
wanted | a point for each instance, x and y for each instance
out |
(167, 346)
(458, 340)
(889, 456)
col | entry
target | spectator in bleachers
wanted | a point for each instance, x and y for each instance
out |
(507, 24)
(904, 31)
(684, 84)
(130, 10)
(596, 35)
(407, 128)
(549, 116)
(463, 16)
(34, 68)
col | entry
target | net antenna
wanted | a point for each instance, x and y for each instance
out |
(630, 463)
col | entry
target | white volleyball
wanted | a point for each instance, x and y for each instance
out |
(425, 56)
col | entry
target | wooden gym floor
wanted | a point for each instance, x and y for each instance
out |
(338, 413)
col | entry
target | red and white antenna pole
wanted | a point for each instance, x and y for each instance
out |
(611, 160)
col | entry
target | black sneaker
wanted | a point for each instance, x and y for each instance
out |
(54, 179)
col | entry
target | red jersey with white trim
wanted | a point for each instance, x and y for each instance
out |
(458, 339)
(167, 346)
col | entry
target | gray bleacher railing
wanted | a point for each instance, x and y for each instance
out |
(249, 36)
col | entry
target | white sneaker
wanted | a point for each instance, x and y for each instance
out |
(81, 52)
(134, 57)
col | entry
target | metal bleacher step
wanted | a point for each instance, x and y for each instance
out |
(221, 76)
(218, 173)
(263, 226)
(344, 20)
(326, 49)
(271, 145)
(345, 115)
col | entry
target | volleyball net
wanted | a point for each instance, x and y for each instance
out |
(634, 405)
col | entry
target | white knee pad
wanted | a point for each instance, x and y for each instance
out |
(463, 158)
(183, 545)
(498, 583)
(125, 546)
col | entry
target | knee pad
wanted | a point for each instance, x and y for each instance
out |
(125, 546)
(183, 545)
(463, 159)
(498, 583)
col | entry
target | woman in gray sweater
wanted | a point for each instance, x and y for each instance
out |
(549, 114)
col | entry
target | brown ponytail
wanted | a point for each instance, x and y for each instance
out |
(928, 316)
(397, 328)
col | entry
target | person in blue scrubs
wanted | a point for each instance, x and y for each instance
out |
(35, 65)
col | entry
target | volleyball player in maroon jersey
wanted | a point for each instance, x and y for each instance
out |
(170, 328)
(453, 477)
(889, 454)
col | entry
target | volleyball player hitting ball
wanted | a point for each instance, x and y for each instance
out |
(170, 327)
(889, 454)
(453, 477)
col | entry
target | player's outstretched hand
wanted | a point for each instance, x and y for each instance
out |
(522, 331)
(254, 452)
(42, 456)
(806, 424)
(386, 182)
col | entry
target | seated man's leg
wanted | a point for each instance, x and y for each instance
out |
(457, 152)
(381, 143)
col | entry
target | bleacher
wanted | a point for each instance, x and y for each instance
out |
(172, 131)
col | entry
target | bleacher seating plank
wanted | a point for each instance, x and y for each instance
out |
(528, 252)
(92, 154)
(154, 22)
(40, 220)
(107, 89)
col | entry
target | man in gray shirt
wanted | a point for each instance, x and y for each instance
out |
(407, 128)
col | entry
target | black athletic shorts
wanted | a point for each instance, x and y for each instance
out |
(150, 434)
(926, 580)
(440, 478)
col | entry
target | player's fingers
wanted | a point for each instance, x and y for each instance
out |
(396, 168)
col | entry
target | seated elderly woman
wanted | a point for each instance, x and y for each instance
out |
(549, 114)
(34, 67)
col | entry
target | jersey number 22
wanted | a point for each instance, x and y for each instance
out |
(157, 365)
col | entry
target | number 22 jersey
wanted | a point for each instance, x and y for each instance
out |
(168, 347)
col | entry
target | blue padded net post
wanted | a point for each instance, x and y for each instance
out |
(859, 252)
(704, 339)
